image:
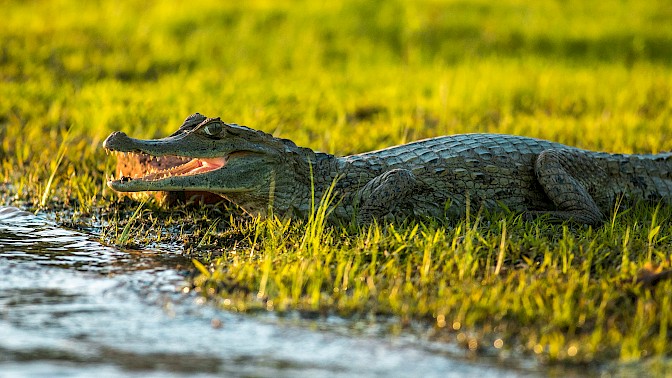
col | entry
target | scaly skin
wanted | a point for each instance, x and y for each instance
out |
(436, 177)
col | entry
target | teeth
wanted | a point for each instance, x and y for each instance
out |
(188, 166)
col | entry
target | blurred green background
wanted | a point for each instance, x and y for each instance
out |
(341, 77)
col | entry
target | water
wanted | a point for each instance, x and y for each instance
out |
(70, 306)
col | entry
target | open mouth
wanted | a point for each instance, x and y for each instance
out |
(146, 167)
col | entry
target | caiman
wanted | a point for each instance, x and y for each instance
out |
(437, 178)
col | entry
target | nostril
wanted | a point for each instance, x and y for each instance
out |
(109, 141)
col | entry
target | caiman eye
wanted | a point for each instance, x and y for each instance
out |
(213, 128)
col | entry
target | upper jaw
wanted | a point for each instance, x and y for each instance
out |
(120, 142)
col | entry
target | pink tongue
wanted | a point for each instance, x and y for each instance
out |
(205, 165)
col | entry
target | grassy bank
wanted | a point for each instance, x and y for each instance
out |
(350, 77)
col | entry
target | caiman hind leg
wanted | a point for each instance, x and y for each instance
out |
(565, 176)
(388, 195)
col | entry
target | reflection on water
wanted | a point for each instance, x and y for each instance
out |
(70, 306)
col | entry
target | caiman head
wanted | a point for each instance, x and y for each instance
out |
(251, 168)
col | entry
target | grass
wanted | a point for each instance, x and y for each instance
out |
(546, 296)
(348, 77)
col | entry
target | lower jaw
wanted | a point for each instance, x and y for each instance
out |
(170, 197)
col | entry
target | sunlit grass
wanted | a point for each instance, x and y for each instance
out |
(562, 293)
(347, 77)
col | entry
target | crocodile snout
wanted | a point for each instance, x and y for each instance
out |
(114, 138)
